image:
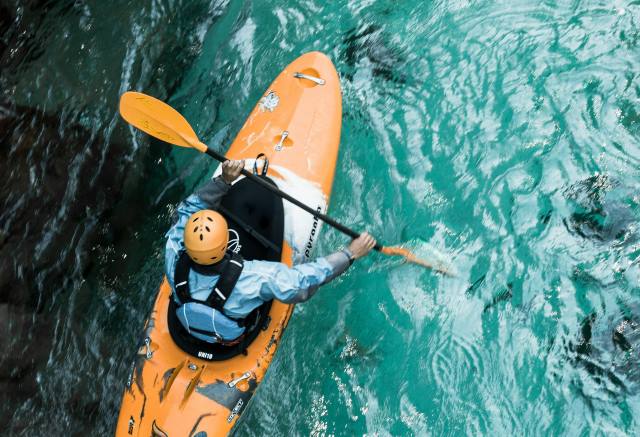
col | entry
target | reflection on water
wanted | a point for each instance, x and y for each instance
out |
(502, 135)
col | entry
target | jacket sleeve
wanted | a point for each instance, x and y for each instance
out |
(299, 283)
(207, 197)
(212, 192)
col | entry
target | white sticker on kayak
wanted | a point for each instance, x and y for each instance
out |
(299, 226)
(269, 102)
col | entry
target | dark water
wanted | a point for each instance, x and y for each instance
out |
(500, 138)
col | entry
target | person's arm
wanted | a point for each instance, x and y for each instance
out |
(299, 283)
(212, 193)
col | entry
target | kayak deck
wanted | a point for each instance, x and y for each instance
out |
(296, 125)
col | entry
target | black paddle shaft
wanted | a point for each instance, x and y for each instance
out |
(325, 218)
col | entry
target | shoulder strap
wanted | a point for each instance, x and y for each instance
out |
(229, 271)
(226, 282)
(181, 278)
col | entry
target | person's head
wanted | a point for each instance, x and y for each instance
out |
(206, 236)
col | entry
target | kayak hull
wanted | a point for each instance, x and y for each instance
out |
(172, 393)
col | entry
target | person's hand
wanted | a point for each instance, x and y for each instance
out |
(231, 170)
(362, 245)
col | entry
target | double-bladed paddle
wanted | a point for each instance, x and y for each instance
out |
(165, 123)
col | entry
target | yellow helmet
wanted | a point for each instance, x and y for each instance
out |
(206, 236)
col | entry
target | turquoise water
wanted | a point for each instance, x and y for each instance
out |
(497, 138)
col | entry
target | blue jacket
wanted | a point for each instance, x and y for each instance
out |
(259, 282)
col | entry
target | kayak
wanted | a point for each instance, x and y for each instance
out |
(181, 386)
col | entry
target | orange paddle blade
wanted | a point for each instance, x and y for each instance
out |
(410, 257)
(159, 120)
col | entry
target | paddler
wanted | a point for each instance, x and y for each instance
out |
(216, 290)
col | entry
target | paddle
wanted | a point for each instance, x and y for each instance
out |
(165, 123)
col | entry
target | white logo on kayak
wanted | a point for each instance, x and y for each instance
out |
(235, 411)
(269, 102)
(312, 236)
(205, 355)
(234, 241)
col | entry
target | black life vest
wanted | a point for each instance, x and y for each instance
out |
(229, 270)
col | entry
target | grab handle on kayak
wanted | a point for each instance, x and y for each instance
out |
(233, 383)
(283, 137)
(314, 79)
(147, 344)
(265, 165)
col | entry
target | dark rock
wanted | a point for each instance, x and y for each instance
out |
(368, 41)
(609, 348)
(602, 210)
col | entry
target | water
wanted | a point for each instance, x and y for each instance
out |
(499, 137)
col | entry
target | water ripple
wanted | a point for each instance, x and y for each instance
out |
(499, 136)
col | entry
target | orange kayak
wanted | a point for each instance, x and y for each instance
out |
(171, 392)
